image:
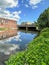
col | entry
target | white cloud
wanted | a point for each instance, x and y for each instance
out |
(34, 7)
(12, 2)
(19, 12)
(7, 14)
(7, 48)
(0, 8)
(34, 2)
(26, 5)
(8, 3)
(16, 38)
(16, 14)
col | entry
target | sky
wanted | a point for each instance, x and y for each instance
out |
(22, 10)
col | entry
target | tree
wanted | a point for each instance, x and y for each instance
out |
(43, 20)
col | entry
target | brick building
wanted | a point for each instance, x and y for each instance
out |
(8, 23)
(11, 26)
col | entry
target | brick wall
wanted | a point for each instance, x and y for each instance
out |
(6, 23)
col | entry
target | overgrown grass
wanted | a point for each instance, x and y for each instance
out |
(37, 52)
(2, 29)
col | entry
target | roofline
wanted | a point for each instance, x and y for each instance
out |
(8, 19)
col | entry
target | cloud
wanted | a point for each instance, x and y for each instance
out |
(34, 2)
(4, 13)
(9, 15)
(26, 5)
(8, 3)
(16, 38)
(15, 15)
(12, 3)
(34, 7)
(8, 48)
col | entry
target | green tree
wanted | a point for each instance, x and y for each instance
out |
(43, 20)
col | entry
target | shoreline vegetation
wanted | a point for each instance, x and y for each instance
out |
(37, 52)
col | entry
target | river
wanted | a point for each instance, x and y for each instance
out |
(15, 44)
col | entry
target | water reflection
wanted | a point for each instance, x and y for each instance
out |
(15, 43)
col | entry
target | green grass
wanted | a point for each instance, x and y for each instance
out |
(37, 52)
(3, 29)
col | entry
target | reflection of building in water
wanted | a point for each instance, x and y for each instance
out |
(7, 27)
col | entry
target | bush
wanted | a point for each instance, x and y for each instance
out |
(45, 30)
(37, 52)
(43, 20)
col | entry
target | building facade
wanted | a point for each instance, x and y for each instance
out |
(7, 23)
(10, 28)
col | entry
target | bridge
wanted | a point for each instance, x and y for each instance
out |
(27, 27)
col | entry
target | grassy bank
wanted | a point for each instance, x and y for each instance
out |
(3, 29)
(37, 52)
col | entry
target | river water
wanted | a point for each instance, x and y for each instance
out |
(15, 44)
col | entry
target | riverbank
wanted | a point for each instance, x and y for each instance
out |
(37, 52)
(15, 44)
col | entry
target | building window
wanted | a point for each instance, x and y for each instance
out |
(0, 20)
(6, 21)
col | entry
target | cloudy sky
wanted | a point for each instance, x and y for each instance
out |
(22, 10)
